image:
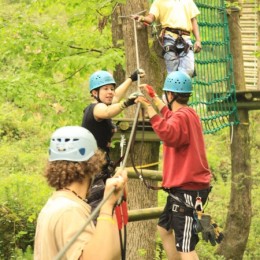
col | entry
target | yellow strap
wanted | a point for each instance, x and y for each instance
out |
(144, 166)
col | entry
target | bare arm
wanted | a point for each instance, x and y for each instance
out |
(106, 233)
(121, 90)
(102, 111)
(195, 31)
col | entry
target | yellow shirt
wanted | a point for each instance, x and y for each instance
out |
(175, 13)
(60, 219)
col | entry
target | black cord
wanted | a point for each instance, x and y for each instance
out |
(139, 174)
(121, 244)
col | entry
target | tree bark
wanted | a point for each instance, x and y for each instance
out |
(239, 212)
(140, 235)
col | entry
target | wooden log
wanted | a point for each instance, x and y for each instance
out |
(144, 214)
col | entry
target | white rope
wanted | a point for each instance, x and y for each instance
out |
(232, 132)
(138, 105)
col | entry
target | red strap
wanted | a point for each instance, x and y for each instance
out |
(118, 217)
(121, 212)
(125, 212)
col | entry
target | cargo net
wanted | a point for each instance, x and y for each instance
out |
(214, 92)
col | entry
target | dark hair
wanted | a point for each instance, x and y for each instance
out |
(182, 98)
(60, 174)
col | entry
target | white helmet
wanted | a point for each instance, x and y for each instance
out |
(72, 143)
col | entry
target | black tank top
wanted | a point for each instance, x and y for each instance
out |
(102, 130)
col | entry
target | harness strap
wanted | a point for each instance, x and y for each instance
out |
(173, 48)
(121, 212)
(177, 31)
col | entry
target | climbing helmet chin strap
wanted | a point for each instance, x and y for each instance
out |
(97, 97)
(169, 103)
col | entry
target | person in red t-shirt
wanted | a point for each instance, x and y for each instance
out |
(186, 174)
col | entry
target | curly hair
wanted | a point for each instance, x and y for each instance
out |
(60, 174)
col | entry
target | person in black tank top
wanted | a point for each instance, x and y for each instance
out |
(98, 116)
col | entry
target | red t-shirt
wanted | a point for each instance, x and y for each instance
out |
(185, 165)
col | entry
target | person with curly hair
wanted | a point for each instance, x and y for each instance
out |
(74, 160)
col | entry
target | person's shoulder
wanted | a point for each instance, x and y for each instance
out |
(89, 107)
(186, 110)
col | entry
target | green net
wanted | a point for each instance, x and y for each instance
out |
(214, 96)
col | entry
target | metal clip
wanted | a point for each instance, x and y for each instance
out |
(167, 48)
(175, 208)
(198, 204)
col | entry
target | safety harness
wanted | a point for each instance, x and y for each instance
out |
(180, 46)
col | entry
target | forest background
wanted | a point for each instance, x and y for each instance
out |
(48, 50)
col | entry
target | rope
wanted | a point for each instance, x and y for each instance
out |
(138, 105)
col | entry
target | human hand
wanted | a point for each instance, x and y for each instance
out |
(117, 182)
(208, 233)
(148, 89)
(219, 235)
(130, 100)
(197, 47)
(134, 75)
(138, 18)
(145, 102)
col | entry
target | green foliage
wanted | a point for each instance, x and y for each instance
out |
(21, 199)
(48, 50)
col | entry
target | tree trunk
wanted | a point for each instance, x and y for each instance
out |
(140, 235)
(239, 213)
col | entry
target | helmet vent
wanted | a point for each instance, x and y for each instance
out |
(82, 151)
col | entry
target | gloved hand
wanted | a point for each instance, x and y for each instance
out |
(150, 91)
(219, 235)
(208, 233)
(134, 75)
(145, 103)
(130, 100)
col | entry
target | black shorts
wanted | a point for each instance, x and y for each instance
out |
(178, 217)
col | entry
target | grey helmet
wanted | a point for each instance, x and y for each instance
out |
(72, 143)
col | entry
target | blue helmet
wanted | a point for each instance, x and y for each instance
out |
(99, 79)
(178, 82)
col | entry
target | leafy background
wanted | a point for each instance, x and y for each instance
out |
(48, 50)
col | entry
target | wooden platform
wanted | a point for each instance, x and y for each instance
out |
(248, 24)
